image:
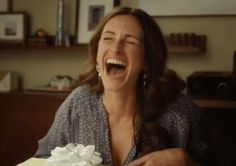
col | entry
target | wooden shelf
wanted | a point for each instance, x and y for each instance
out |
(184, 49)
(77, 47)
(47, 44)
(177, 43)
(186, 43)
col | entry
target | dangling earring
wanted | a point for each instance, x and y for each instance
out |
(98, 70)
(145, 76)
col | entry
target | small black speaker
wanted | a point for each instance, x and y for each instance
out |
(212, 84)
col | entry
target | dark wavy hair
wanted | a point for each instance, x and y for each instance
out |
(162, 85)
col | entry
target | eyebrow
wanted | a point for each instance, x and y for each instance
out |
(127, 35)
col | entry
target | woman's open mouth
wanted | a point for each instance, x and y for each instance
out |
(115, 67)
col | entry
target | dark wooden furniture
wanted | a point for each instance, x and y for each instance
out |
(208, 103)
(25, 117)
(220, 118)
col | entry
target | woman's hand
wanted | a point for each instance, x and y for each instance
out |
(168, 157)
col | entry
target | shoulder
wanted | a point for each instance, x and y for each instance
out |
(82, 94)
(187, 104)
(180, 118)
(184, 108)
(80, 100)
(187, 107)
(185, 121)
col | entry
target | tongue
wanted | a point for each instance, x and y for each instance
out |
(115, 70)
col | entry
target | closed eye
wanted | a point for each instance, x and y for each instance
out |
(131, 42)
(107, 38)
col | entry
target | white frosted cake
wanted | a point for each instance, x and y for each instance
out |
(70, 155)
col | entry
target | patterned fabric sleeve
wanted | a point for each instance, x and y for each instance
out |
(199, 145)
(60, 131)
(185, 123)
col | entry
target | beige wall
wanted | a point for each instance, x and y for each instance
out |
(38, 66)
(221, 42)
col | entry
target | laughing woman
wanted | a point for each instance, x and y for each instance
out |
(129, 105)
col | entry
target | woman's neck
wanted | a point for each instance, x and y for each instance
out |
(120, 104)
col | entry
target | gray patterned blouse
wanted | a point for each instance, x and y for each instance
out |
(82, 119)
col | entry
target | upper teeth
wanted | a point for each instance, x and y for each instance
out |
(115, 61)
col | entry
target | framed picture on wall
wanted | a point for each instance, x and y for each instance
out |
(5, 5)
(12, 28)
(89, 13)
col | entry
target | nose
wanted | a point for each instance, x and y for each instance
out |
(117, 46)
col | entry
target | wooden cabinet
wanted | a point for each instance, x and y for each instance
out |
(25, 117)
(220, 118)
